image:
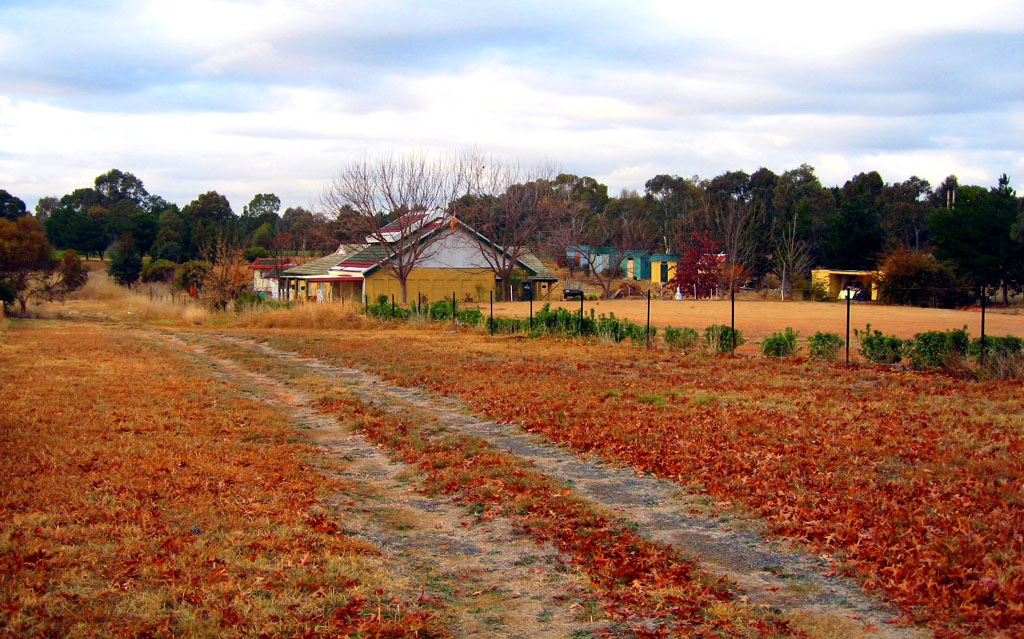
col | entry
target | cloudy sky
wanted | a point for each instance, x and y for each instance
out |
(275, 96)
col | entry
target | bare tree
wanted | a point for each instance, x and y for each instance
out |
(791, 254)
(224, 276)
(396, 203)
(507, 204)
(736, 224)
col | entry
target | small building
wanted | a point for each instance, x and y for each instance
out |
(633, 265)
(266, 271)
(637, 265)
(834, 282)
(663, 267)
(590, 259)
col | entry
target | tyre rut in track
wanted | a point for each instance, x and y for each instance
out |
(489, 580)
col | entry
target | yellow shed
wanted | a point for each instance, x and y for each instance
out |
(835, 281)
(663, 267)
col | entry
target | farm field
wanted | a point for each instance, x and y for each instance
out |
(759, 318)
(456, 484)
(913, 483)
(171, 507)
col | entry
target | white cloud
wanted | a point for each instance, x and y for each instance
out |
(244, 97)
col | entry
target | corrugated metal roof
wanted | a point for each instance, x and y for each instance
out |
(315, 267)
(533, 263)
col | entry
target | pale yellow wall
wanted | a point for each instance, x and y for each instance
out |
(832, 281)
(656, 271)
(434, 283)
(820, 277)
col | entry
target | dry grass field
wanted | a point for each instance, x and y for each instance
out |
(756, 318)
(160, 480)
(143, 498)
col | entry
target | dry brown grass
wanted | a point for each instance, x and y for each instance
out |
(143, 498)
(330, 316)
(912, 478)
(103, 297)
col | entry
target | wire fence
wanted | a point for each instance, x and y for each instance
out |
(834, 339)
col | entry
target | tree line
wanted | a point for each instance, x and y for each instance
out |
(772, 228)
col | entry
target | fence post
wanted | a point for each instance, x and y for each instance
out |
(732, 314)
(581, 314)
(492, 314)
(531, 309)
(847, 288)
(392, 305)
(455, 322)
(981, 359)
(648, 319)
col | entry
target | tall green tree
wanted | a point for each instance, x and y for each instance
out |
(11, 207)
(682, 207)
(118, 186)
(853, 236)
(799, 195)
(905, 209)
(81, 200)
(45, 207)
(206, 216)
(976, 233)
(125, 261)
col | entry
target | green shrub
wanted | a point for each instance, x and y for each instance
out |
(683, 338)
(1004, 356)
(638, 333)
(825, 346)
(1006, 345)
(158, 271)
(507, 325)
(938, 350)
(719, 338)
(253, 253)
(610, 327)
(385, 311)
(247, 300)
(563, 321)
(781, 343)
(191, 273)
(879, 348)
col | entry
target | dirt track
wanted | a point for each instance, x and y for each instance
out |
(759, 318)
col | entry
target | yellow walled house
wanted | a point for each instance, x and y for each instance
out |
(451, 264)
(834, 282)
(663, 267)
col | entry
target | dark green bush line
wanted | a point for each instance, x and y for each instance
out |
(950, 351)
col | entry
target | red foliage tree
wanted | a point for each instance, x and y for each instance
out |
(699, 270)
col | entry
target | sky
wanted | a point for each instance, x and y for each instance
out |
(277, 96)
